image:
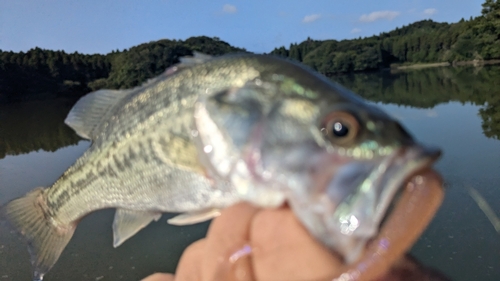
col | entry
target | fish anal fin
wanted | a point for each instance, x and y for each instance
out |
(128, 222)
(46, 240)
(194, 217)
(92, 109)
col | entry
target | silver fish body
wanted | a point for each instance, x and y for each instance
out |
(211, 132)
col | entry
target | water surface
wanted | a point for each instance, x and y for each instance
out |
(456, 109)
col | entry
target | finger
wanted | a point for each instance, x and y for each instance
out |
(227, 235)
(284, 250)
(159, 277)
(189, 267)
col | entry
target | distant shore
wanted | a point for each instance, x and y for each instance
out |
(441, 64)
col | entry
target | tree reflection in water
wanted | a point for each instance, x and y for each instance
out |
(34, 125)
(426, 88)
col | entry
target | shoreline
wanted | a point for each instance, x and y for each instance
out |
(394, 68)
(475, 63)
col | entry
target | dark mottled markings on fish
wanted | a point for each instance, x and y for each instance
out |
(155, 156)
(163, 141)
(131, 154)
(100, 170)
(117, 163)
(108, 167)
(76, 187)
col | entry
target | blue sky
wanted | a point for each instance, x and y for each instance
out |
(99, 26)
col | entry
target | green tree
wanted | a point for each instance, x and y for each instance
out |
(491, 8)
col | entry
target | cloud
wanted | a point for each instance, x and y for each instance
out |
(430, 12)
(311, 18)
(355, 30)
(229, 9)
(379, 15)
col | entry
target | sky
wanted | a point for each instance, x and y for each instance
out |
(100, 26)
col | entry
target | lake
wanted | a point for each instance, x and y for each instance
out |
(457, 109)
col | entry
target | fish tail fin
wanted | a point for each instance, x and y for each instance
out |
(30, 217)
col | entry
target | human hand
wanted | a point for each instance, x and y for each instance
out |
(247, 243)
(281, 249)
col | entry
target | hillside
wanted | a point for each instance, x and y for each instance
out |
(43, 74)
(420, 42)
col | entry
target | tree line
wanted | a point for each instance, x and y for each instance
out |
(44, 73)
(420, 42)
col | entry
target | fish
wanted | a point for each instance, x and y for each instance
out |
(214, 131)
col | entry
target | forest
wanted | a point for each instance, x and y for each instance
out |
(420, 42)
(44, 74)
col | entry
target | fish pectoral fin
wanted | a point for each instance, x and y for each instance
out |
(128, 222)
(194, 217)
(91, 110)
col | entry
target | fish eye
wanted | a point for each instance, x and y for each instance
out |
(340, 127)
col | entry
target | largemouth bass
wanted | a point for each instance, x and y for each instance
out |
(211, 132)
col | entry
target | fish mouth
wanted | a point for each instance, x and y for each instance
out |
(408, 165)
(363, 197)
(419, 200)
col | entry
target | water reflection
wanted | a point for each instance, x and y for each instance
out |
(456, 109)
(34, 125)
(426, 88)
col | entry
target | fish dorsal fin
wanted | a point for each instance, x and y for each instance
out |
(185, 62)
(92, 109)
(128, 222)
(97, 106)
(197, 58)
